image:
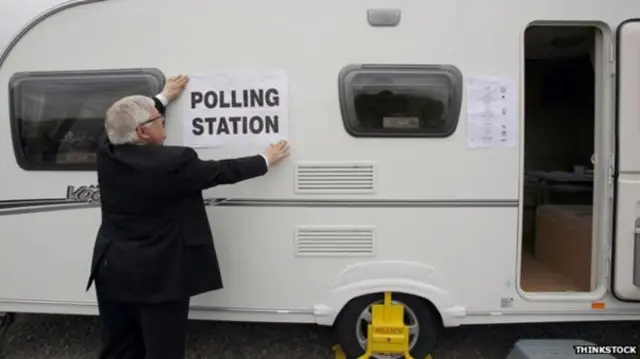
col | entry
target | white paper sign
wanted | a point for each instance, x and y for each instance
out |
(231, 109)
(492, 112)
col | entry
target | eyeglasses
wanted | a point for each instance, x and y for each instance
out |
(151, 120)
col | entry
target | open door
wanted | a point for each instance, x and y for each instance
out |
(626, 236)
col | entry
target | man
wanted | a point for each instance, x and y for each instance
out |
(154, 249)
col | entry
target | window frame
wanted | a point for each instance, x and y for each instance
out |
(14, 98)
(347, 105)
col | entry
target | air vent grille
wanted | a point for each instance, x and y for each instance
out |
(335, 178)
(335, 241)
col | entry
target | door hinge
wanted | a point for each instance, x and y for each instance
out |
(610, 177)
(607, 260)
(612, 61)
(607, 268)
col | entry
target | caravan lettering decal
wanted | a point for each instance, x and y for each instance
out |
(234, 109)
(90, 193)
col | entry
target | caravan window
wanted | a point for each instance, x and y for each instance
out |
(57, 118)
(400, 101)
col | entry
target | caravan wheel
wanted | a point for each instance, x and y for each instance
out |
(351, 327)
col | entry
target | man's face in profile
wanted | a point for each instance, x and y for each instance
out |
(153, 130)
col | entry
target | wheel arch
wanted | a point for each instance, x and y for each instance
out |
(434, 310)
(374, 278)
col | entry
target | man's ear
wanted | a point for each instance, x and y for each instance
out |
(141, 132)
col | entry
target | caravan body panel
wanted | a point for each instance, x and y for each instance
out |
(440, 219)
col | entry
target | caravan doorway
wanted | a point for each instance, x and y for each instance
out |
(558, 187)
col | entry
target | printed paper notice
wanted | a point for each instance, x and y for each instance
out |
(492, 118)
(235, 109)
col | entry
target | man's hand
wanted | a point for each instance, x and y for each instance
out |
(174, 86)
(276, 152)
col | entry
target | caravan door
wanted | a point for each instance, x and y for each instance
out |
(625, 259)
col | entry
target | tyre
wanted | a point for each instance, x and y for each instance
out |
(350, 329)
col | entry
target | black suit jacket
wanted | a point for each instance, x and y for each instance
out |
(155, 243)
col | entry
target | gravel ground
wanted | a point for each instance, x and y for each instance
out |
(77, 337)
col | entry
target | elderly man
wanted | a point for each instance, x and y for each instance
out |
(154, 249)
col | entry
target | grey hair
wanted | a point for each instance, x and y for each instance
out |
(124, 116)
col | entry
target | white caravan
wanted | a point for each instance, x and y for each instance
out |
(479, 157)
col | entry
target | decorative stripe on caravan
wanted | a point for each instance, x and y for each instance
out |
(57, 204)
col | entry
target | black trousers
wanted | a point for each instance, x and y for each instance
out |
(143, 331)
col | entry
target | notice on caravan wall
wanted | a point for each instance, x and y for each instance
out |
(235, 109)
(492, 112)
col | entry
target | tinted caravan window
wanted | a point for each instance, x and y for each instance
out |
(57, 118)
(400, 101)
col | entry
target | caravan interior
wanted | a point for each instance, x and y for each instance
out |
(559, 118)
